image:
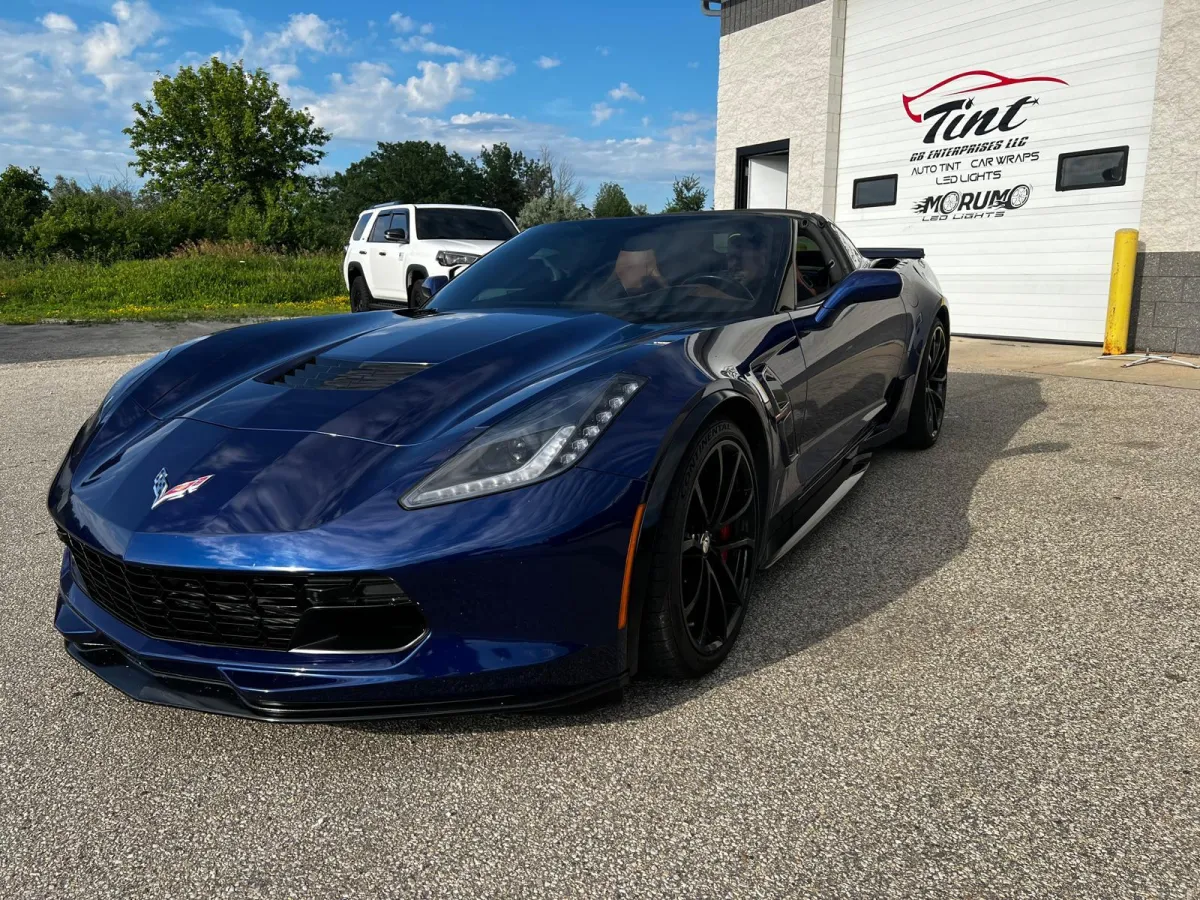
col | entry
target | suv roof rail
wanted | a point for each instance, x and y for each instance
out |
(386, 203)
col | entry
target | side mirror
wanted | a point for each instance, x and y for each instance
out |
(860, 286)
(431, 286)
(396, 236)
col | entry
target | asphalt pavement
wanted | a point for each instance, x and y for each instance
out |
(977, 678)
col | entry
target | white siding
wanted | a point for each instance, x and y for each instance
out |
(1041, 270)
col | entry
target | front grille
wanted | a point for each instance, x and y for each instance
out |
(323, 373)
(357, 612)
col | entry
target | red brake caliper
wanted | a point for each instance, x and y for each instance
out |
(724, 534)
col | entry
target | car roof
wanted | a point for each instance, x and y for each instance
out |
(394, 205)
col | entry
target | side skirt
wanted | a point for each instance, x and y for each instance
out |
(812, 510)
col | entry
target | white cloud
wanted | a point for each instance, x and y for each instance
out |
(360, 106)
(693, 65)
(625, 92)
(107, 47)
(407, 25)
(58, 22)
(418, 44)
(601, 112)
(603, 51)
(402, 23)
(477, 118)
(308, 30)
(688, 125)
(547, 62)
(646, 120)
(304, 31)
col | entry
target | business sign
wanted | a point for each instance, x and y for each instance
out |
(974, 129)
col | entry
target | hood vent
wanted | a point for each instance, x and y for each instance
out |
(323, 373)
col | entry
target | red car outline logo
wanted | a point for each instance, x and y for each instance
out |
(997, 81)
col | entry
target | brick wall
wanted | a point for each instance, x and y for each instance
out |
(1166, 314)
(739, 14)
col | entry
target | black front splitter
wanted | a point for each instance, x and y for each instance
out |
(131, 678)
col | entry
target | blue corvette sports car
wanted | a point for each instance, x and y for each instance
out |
(557, 470)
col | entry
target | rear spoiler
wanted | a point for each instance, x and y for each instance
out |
(892, 252)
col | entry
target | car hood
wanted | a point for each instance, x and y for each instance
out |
(456, 366)
(455, 246)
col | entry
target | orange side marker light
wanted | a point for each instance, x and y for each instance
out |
(623, 614)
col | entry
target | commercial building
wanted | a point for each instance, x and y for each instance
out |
(1008, 138)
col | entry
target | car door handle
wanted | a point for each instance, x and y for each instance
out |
(362, 252)
(383, 253)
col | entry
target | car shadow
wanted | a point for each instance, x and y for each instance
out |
(905, 521)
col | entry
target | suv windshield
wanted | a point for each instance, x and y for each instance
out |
(645, 268)
(463, 225)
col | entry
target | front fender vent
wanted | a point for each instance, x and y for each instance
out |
(324, 373)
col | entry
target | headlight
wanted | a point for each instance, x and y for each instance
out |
(448, 259)
(538, 443)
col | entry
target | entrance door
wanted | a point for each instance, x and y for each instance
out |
(768, 177)
(762, 176)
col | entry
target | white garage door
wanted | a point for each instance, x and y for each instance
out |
(969, 105)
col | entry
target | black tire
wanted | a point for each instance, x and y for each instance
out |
(414, 286)
(928, 412)
(689, 628)
(360, 295)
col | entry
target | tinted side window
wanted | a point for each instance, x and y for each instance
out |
(877, 191)
(400, 220)
(1092, 169)
(382, 223)
(360, 227)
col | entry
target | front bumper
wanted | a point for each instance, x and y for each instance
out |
(528, 621)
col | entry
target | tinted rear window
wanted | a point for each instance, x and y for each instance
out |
(463, 225)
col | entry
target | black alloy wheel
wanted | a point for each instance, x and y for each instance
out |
(937, 362)
(706, 555)
(716, 558)
(929, 398)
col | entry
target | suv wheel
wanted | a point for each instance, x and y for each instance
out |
(360, 295)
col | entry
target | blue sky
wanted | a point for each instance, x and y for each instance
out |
(624, 91)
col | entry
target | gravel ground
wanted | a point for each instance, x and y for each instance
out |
(978, 678)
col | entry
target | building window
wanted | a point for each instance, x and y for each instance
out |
(1092, 169)
(879, 190)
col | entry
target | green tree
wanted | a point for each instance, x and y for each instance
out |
(507, 179)
(688, 195)
(611, 202)
(640, 209)
(406, 172)
(24, 196)
(560, 208)
(221, 127)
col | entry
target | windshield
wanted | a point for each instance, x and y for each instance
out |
(463, 225)
(642, 268)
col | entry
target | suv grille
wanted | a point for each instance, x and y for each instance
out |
(361, 613)
(323, 373)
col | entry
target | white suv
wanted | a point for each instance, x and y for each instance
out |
(396, 246)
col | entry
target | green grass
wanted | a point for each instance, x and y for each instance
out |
(213, 282)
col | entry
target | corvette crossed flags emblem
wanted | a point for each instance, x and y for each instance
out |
(163, 493)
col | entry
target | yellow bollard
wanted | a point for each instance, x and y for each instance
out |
(1120, 292)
